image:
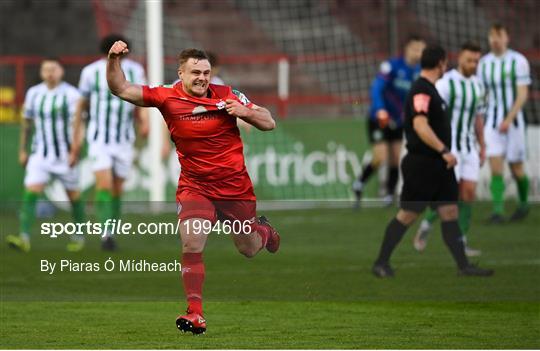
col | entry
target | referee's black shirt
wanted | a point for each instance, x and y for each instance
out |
(423, 99)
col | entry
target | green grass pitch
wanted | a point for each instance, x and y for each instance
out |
(316, 292)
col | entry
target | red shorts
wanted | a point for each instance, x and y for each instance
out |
(195, 205)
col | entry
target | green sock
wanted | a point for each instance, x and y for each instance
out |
(116, 207)
(497, 193)
(464, 218)
(430, 216)
(104, 208)
(77, 210)
(523, 191)
(28, 211)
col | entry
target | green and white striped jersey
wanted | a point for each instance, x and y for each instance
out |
(110, 119)
(52, 111)
(465, 100)
(501, 75)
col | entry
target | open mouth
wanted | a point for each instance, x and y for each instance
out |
(199, 84)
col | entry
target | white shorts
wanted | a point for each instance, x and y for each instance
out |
(119, 158)
(510, 145)
(39, 170)
(468, 166)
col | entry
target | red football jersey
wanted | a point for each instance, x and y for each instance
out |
(207, 140)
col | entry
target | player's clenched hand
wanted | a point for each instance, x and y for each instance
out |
(23, 158)
(73, 158)
(236, 109)
(503, 128)
(450, 159)
(383, 118)
(482, 155)
(118, 49)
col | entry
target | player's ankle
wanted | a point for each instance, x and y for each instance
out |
(25, 237)
(195, 306)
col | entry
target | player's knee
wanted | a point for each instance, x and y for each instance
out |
(248, 251)
(394, 162)
(117, 187)
(104, 185)
(116, 193)
(74, 195)
(104, 180)
(377, 161)
(406, 217)
(517, 170)
(467, 193)
(35, 188)
(448, 212)
(192, 247)
(468, 196)
(496, 165)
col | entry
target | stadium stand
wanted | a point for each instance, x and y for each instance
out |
(333, 46)
(39, 35)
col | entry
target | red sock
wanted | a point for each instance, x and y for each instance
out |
(193, 278)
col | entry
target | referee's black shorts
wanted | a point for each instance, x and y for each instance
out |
(426, 182)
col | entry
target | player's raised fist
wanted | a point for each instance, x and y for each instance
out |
(118, 49)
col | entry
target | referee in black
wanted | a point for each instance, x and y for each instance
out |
(428, 175)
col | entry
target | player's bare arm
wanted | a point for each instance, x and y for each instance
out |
(257, 116)
(479, 131)
(116, 79)
(521, 98)
(78, 131)
(424, 131)
(166, 146)
(142, 120)
(27, 126)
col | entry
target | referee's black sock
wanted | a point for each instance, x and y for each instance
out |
(394, 232)
(366, 173)
(393, 175)
(453, 238)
